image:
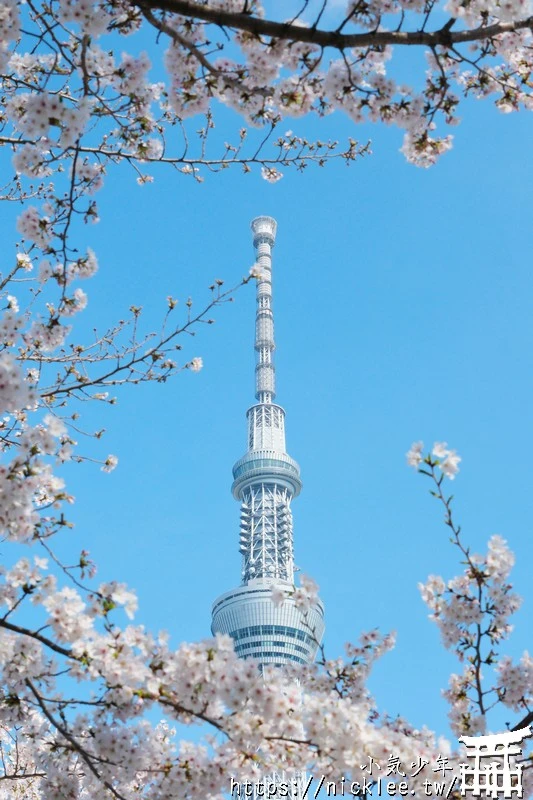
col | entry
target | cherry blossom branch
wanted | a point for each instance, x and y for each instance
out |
(472, 610)
(110, 378)
(478, 660)
(72, 741)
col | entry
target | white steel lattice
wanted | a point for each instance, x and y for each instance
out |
(266, 533)
(266, 428)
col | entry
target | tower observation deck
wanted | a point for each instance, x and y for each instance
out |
(265, 481)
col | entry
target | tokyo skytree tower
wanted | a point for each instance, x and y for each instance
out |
(265, 480)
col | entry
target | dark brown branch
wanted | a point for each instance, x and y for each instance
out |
(331, 38)
(22, 776)
(528, 719)
(35, 635)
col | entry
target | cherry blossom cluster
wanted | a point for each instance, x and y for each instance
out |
(284, 74)
(516, 682)
(472, 612)
(70, 101)
(304, 596)
(81, 745)
(441, 456)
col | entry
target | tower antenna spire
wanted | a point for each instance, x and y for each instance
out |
(264, 232)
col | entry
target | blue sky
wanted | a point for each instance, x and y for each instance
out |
(402, 302)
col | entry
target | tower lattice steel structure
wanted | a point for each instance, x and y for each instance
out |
(265, 480)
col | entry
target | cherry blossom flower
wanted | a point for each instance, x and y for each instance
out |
(196, 364)
(24, 261)
(414, 455)
(110, 464)
(450, 464)
(271, 174)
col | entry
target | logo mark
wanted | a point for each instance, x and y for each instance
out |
(501, 777)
